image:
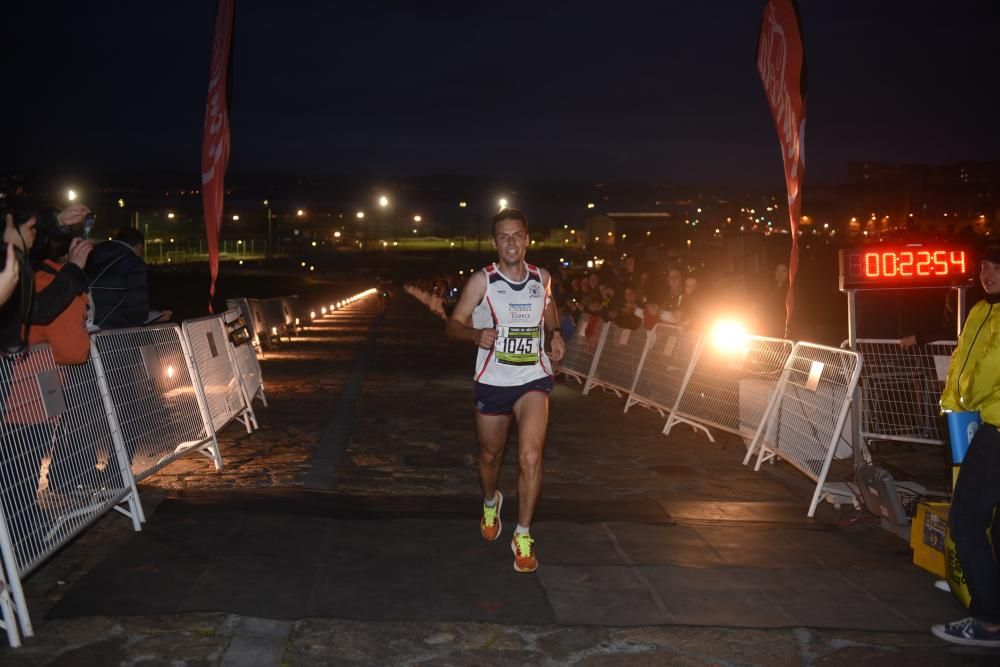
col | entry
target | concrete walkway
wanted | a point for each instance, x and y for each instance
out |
(655, 550)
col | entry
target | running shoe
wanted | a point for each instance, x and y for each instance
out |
(967, 632)
(490, 524)
(524, 553)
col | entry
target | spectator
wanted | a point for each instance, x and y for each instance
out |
(691, 310)
(60, 254)
(26, 307)
(973, 376)
(630, 313)
(671, 298)
(118, 283)
(10, 274)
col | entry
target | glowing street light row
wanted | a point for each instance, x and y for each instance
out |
(340, 304)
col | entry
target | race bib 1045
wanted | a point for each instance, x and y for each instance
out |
(518, 346)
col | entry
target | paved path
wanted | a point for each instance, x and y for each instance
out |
(654, 550)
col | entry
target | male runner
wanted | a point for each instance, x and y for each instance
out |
(509, 304)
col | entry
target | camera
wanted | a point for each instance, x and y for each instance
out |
(88, 225)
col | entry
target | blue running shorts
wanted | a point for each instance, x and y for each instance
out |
(493, 400)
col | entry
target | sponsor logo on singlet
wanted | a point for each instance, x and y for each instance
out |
(535, 290)
(520, 311)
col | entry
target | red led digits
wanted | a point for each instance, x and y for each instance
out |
(924, 262)
(958, 259)
(871, 265)
(906, 265)
(923, 266)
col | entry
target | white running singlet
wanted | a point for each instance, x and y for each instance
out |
(516, 310)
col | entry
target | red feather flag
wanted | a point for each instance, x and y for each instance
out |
(782, 68)
(215, 140)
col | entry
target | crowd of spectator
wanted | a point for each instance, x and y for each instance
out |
(56, 287)
(617, 291)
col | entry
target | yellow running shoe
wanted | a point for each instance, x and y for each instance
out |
(490, 524)
(524, 553)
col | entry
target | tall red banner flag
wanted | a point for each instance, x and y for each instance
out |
(782, 68)
(215, 141)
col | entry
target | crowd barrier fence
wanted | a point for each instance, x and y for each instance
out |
(617, 359)
(76, 439)
(807, 411)
(216, 377)
(730, 384)
(900, 387)
(151, 383)
(583, 350)
(245, 357)
(63, 462)
(665, 368)
(251, 317)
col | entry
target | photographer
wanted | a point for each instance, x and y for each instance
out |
(26, 307)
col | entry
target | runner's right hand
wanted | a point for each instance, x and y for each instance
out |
(485, 338)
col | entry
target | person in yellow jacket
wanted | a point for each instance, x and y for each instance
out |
(974, 384)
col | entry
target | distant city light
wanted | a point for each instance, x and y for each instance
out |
(121, 203)
(300, 213)
(170, 216)
(417, 218)
(590, 204)
(462, 204)
(336, 235)
(360, 215)
(383, 201)
(314, 244)
(236, 217)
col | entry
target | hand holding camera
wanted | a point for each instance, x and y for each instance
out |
(10, 274)
(79, 251)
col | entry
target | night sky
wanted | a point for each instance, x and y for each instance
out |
(612, 91)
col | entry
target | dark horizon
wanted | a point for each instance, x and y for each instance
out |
(565, 92)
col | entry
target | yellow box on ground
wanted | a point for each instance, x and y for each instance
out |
(927, 536)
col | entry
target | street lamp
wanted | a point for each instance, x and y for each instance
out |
(502, 202)
(383, 203)
(71, 194)
(267, 247)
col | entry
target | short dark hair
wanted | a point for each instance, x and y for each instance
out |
(509, 214)
(131, 236)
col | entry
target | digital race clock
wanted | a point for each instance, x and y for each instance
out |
(912, 265)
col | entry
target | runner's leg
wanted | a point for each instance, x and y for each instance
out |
(532, 413)
(492, 432)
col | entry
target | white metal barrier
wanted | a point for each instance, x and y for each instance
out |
(152, 388)
(664, 368)
(900, 388)
(247, 364)
(583, 350)
(808, 411)
(215, 372)
(249, 318)
(618, 359)
(730, 385)
(63, 462)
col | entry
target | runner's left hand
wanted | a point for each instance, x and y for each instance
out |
(558, 348)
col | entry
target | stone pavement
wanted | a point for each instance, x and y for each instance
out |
(404, 431)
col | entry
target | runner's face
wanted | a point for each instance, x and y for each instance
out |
(510, 238)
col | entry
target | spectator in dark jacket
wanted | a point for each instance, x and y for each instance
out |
(118, 287)
(26, 307)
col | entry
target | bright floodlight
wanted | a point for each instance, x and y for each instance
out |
(383, 201)
(360, 215)
(71, 195)
(502, 202)
(417, 218)
(300, 213)
(170, 216)
(729, 336)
